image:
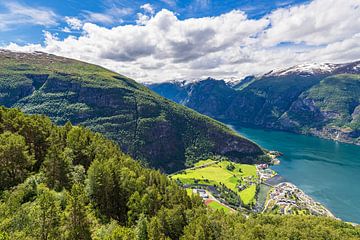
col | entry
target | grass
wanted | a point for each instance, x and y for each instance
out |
(204, 162)
(218, 173)
(248, 195)
(189, 192)
(217, 206)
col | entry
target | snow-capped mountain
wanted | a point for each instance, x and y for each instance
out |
(317, 68)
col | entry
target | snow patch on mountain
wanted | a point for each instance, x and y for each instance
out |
(309, 69)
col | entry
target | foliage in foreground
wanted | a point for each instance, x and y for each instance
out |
(69, 183)
(163, 134)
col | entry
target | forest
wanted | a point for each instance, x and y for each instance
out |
(66, 182)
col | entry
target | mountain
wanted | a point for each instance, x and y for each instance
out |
(66, 182)
(316, 99)
(150, 128)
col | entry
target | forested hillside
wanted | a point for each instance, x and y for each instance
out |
(69, 183)
(322, 101)
(150, 128)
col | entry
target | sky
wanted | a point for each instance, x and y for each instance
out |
(164, 40)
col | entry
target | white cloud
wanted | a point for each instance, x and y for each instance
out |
(142, 19)
(110, 16)
(319, 22)
(148, 8)
(171, 3)
(100, 18)
(18, 14)
(74, 23)
(162, 47)
(66, 30)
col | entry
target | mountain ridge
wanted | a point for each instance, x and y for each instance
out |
(145, 125)
(290, 100)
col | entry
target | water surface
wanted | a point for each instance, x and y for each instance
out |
(328, 171)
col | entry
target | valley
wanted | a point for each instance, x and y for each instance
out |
(321, 100)
(72, 182)
(228, 180)
(179, 120)
(236, 187)
(74, 177)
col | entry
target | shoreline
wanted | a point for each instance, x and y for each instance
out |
(290, 198)
(313, 133)
(285, 197)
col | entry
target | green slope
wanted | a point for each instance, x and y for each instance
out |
(70, 183)
(145, 125)
(330, 109)
(325, 105)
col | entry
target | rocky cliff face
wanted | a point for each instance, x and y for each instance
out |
(150, 128)
(318, 99)
(329, 109)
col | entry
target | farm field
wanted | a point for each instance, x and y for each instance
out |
(217, 206)
(204, 162)
(220, 173)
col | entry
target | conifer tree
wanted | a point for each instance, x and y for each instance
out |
(141, 228)
(46, 214)
(76, 222)
(58, 163)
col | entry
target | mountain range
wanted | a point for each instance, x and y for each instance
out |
(315, 99)
(159, 132)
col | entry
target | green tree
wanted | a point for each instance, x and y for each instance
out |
(15, 160)
(76, 223)
(156, 229)
(110, 186)
(4, 236)
(58, 163)
(46, 214)
(79, 140)
(141, 228)
(230, 167)
(135, 207)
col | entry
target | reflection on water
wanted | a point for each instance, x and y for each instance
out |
(326, 170)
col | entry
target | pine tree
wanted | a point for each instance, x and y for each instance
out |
(156, 230)
(58, 164)
(141, 228)
(76, 222)
(46, 214)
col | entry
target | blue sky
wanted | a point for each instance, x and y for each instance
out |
(27, 32)
(154, 41)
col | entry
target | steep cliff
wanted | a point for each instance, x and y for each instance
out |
(148, 127)
(317, 99)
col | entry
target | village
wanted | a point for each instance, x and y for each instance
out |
(281, 198)
(286, 198)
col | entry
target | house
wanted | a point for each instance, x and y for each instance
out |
(202, 193)
(263, 166)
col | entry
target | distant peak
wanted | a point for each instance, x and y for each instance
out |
(308, 68)
(317, 68)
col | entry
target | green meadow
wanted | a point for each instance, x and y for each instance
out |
(217, 206)
(218, 173)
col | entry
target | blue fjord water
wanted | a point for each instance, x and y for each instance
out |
(328, 171)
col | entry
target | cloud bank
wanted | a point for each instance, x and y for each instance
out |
(161, 47)
(17, 14)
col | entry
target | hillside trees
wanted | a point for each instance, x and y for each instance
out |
(15, 159)
(74, 184)
(75, 220)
